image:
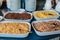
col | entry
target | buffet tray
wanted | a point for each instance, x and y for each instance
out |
(45, 33)
(15, 35)
(53, 17)
(17, 16)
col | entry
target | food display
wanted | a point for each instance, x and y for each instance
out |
(41, 28)
(14, 28)
(26, 24)
(18, 16)
(47, 26)
(45, 14)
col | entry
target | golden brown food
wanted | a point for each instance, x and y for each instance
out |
(14, 28)
(45, 14)
(47, 26)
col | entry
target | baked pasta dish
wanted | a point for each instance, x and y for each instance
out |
(45, 14)
(14, 28)
(47, 26)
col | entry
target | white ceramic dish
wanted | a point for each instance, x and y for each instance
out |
(15, 35)
(45, 33)
(17, 16)
(1, 18)
(21, 10)
(57, 8)
(54, 17)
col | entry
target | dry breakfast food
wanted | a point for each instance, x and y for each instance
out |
(18, 16)
(47, 26)
(45, 14)
(14, 28)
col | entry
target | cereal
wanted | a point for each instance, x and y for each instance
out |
(45, 14)
(18, 16)
(47, 26)
(14, 28)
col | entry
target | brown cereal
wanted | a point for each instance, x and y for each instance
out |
(21, 16)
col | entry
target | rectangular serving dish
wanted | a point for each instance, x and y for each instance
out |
(17, 16)
(45, 33)
(53, 17)
(15, 35)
